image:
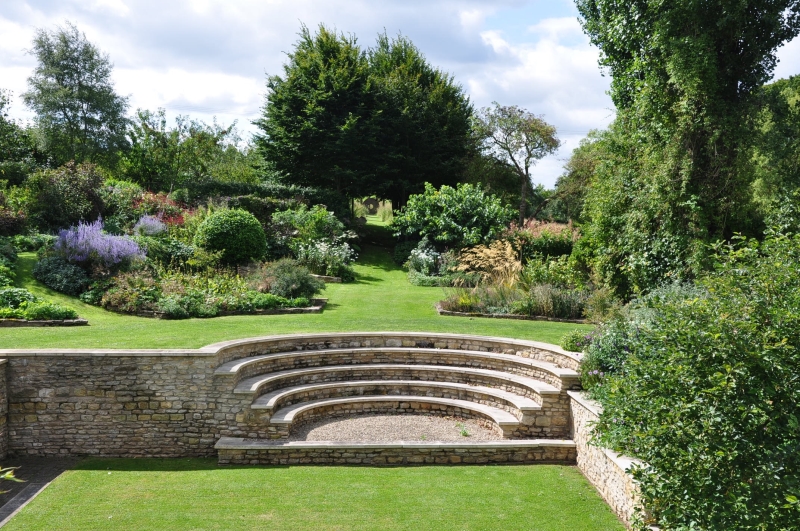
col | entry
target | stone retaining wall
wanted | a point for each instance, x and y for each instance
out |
(392, 454)
(605, 469)
(162, 403)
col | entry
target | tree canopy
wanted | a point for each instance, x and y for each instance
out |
(518, 139)
(678, 174)
(381, 121)
(79, 116)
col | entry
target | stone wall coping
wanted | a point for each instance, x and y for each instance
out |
(218, 348)
(238, 443)
(595, 408)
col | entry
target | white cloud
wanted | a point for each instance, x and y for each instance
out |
(209, 57)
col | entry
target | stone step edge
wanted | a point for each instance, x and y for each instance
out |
(246, 387)
(524, 404)
(501, 417)
(240, 443)
(232, 368)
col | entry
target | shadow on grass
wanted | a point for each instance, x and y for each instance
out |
(177, 464)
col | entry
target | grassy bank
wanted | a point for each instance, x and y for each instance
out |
(380, 299)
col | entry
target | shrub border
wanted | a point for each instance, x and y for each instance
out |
(518, 317)
(317, 305)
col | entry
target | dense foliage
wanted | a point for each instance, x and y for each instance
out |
(676, 166)
(59, 198)
(452, 217)
(708, 396)
(236, 233)
(79, 117)
(518, 139)
(378, 122)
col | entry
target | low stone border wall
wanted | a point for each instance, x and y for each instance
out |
(517, 317)
(239, 451)
(605, 469)
(13, 323)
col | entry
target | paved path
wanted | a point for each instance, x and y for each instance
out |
(37, 473)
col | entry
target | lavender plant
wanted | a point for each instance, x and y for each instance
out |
(87, 244)
(149, 226)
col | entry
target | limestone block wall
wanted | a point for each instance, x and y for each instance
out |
(115, 405)
(169, 403)
(605, 469)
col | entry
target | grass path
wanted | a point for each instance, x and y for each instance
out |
(380, 299)
(195, 494)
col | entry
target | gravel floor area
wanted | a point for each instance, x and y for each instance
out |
(393, 428)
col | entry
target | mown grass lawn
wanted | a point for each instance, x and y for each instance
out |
(380, 299)
(195, 494)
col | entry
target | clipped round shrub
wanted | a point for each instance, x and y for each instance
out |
(236, 233)
(288, 279)
(58, 274)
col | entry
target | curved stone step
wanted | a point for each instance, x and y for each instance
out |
(504, 420)
(242, 451)
(523, 408)
(556, 376)
(237, 348)
(520, 385)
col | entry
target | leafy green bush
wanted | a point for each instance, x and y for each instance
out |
(402, 251)
(236, 233)
(7, 274)
(33, 242)
(286, 278)
(64, 196)
(560, 272)
(452, 217)
(46, 311)
(14, 297)
(576, 341)
(709, 395)
(8, 252)
(166, 251)
(58, 274)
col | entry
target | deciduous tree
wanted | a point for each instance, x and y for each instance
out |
(518, 139)
(79, 116)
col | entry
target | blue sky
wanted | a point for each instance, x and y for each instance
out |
(209, 58)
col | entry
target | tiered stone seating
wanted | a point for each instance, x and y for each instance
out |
(517, 388)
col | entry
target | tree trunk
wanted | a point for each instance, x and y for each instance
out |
(523, 199)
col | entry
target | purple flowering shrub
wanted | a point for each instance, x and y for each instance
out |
(86, 244)
(149, 226)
